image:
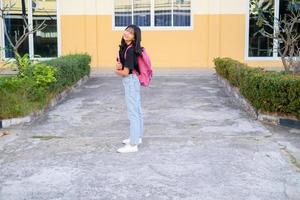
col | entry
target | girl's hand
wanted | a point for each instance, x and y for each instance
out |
(118, 72)
(119, 66)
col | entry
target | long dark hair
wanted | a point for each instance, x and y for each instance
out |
(136, 43)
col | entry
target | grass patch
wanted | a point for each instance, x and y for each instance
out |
(46, 137)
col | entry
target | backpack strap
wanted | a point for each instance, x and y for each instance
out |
(127, 50)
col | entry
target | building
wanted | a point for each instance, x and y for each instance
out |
(176, 33)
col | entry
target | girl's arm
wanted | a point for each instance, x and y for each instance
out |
(124, 72)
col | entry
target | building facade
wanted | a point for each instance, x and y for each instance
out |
(176, 33)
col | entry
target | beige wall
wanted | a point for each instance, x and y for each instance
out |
(106, 7)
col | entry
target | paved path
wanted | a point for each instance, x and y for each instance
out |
(197, 145)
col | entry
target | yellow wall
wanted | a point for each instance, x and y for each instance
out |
(212, 36)
(166, 48)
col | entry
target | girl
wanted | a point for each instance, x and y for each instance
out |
(127, 67)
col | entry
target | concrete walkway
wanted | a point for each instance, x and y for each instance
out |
(197, 145)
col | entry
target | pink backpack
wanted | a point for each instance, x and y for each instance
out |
(146, 71)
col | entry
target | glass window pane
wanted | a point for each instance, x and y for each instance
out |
(163, 12)
(142, 12)
(260, 46)
(45, 40)
(123, 12)
(182, 13)
(14, 24)
(285, 8)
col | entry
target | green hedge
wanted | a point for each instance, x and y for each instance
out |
(70, 69)
(36, 84)
(267, 91)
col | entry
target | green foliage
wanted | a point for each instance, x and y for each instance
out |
(36, 84)
(24, 65)
(42, 74)
(268, 91)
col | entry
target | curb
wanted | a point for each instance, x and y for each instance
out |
(5, 123)
(246, 106)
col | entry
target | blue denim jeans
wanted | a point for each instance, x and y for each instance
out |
(132, 88)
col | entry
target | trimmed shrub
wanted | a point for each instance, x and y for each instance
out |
(70, 69)
(267, 91)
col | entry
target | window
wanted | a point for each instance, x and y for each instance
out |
(181, 13)
(14, 25)
(260, 46)
(123, 12)
(136, 11)
(141, 12)
(43, 43)
(165, 13)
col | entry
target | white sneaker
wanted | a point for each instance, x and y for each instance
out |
(127, 141)
(128, 149)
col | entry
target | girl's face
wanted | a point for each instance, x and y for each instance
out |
(128, 34)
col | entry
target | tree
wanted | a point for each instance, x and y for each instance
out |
(285, 31)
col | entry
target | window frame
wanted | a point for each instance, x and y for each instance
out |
(152, 26)
(275, 56)
(30, 37)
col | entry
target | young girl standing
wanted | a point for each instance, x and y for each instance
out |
(127, 67)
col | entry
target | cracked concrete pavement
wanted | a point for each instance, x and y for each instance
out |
(197, 145)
